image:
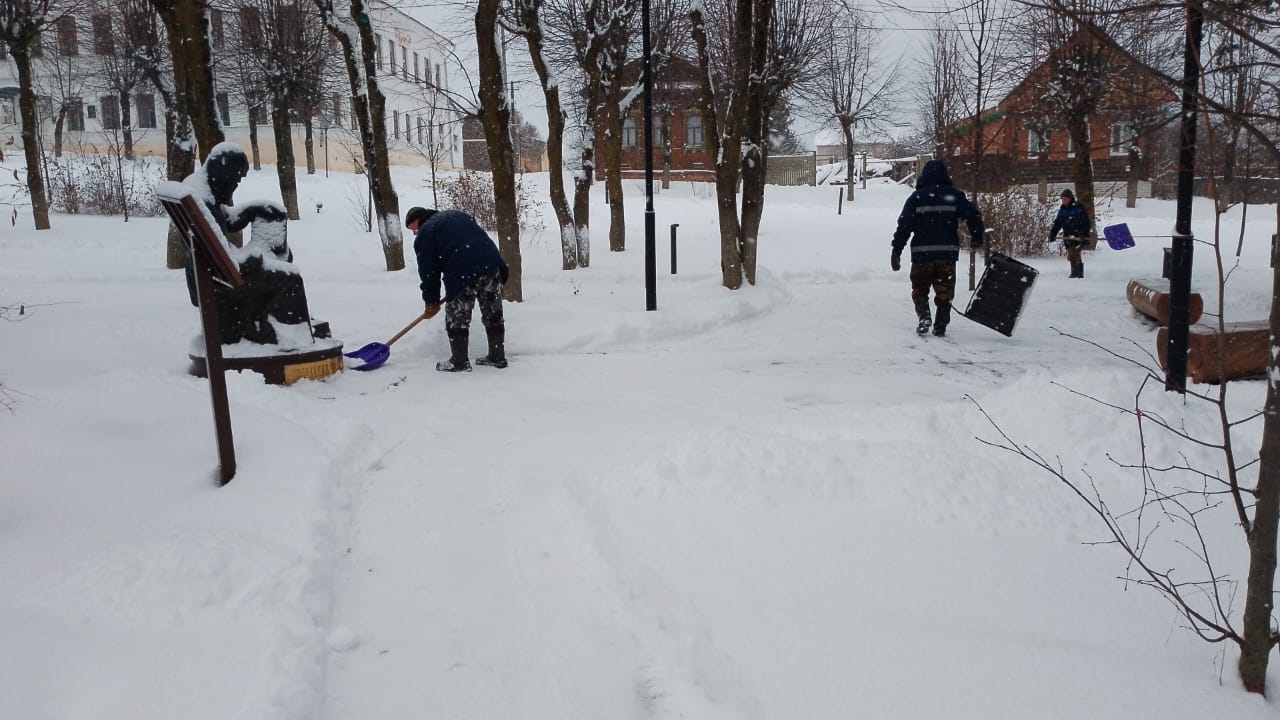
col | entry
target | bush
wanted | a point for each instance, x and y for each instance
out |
(95, 185)
(1021, 222)
(472, 193)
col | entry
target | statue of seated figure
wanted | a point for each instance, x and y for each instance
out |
(271, 307)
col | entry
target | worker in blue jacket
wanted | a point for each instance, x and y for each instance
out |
(1074, 224)
(930, 219)
(451, 246)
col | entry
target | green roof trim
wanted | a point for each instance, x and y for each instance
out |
(964, 128)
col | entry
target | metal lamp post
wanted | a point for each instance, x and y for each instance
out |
(650, 243)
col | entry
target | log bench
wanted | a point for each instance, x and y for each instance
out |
(1150, 296)
(1246, 349)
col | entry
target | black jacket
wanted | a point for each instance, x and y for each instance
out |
(931, 218)
(1072, 221)
(451, 245)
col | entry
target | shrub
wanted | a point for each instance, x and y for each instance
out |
(472, 193)
(96, 185)
(1021, 222)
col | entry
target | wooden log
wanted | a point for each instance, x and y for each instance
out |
(1245, 351)
(1150, 296)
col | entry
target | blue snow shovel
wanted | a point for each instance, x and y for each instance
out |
(1118, 236)
(375, 354)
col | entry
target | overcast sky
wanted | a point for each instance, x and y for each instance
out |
(902, 36)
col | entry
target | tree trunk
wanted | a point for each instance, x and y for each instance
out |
(583, 178)
(1082, 166)
(30, 142)
(1258, 639)
(846, 126)
(1135, 173)
(126, 124)
(253, 138)
(284, 157)
(370, 113)
(495, 118)
(179, 163)
(309, 144)
(612, 148)
(58, 123)
(1042, 169)
(187, 26)
(555, 139)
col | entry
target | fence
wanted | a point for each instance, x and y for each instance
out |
(792, 169)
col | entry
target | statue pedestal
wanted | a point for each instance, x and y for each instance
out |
(276, 365)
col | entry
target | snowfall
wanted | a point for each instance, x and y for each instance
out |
(774, 503)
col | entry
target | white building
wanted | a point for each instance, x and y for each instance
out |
(411, 62)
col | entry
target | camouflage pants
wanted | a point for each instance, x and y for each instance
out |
(1073, 246)
(941, 276)
(487, 290)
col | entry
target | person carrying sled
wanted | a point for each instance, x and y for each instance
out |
(1073, 221)
(450, 245)
(930, 219)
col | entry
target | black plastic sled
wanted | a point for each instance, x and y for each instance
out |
(1001, 294)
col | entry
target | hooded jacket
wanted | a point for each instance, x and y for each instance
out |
(451, 245)
(931, 218)
(1072, 221)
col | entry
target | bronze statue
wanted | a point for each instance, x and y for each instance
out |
(271, 307)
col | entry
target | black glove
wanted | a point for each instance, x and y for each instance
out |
(271, 213)
(895, 261)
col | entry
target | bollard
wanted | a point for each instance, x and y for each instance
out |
(673, 247)
(840, 206)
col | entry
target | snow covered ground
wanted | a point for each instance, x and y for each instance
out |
(767, 504)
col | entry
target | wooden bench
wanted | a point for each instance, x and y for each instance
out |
(1245, 350)
(1150, 296)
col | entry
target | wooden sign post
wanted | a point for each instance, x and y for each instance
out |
(211, 264)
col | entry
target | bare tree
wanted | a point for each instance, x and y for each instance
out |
(984, 37)
(495, 118)
(349, 22)
(732, 112)
(62, 79)
(854, 85)
(118, 73)
(186, 25)
(21, 23)
(939, 95)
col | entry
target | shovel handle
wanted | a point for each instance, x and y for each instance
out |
(406, 329)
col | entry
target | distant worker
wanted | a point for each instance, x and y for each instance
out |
(931, 220)
(450, 245)
(1073, 221)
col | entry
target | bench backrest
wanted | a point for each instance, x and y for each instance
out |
(187, 215)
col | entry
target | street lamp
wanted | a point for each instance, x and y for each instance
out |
(324, 123)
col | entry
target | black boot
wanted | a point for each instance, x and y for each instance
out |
(922, 314)
(1077, 270)
(458, 349)
(944, 317)
(497, 356)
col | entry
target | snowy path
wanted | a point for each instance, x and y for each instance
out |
(502, 559)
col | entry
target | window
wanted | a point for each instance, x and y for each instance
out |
(629, 132)
(438, 76)
(216, 29)
(693, 131)
(1071, 142)
(37, 46)
(337, 110)
(421, 129)
(103, 41)
(146, 111)
(377, 48)
(1037, 142)
(408, 128)
(404, 61)
(391, 52)
(250, 26)
(1123, 136)
(93, 113)
(224, 108)
(75, 116)
(110, 112)
(67, 41)
(7, 114)
(395, 124)
(417, 74)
